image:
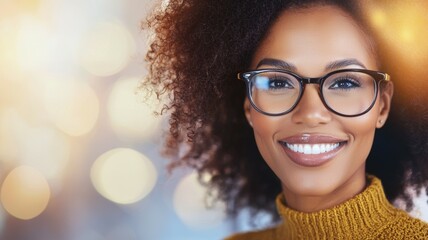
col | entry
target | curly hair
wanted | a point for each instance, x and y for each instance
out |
(198, 46)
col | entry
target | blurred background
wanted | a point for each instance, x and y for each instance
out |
(79, 143)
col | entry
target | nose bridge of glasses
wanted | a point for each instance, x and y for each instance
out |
(311, 80)
(310, 108)
(311, 92)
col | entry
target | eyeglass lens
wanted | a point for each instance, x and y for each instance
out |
(348, 93)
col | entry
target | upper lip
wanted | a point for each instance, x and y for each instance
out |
(312, 139)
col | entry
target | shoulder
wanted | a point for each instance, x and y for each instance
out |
(265, 234)
(405, 227)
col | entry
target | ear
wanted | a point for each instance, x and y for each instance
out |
(247, 111)
(385, 97)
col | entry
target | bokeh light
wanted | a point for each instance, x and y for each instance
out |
(123, 175)
(403, 25)
(35, 45)
(131, 115)
(47, 150)
(12, 131)
(190, 204)
(42, 147)
(27, 45)
(378, 17)
(72, 105)
(25, 193)
(106, 49)
(8, 40)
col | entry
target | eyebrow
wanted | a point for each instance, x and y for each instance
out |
(277, 63)
(290, 67)
(343, 63)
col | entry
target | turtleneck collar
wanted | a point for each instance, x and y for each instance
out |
(364, 213)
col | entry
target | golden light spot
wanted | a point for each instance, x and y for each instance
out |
(189, 204)
(25, 193)
(378, 16)
(131, 117)
(123, 175)
(406, 35)
(72, 105)
(402, 26)
(107, 49)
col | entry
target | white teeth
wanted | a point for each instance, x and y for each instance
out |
(322, 148)
(316, 149)
(299, 148)
(312, 148)
(307, 149)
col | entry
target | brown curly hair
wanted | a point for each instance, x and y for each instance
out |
(197, 49)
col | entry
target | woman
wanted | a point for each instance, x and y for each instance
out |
(313, 91)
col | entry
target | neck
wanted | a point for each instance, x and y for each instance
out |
(311, 203)
(361, 215)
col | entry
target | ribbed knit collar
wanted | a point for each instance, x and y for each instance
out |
(363, 214)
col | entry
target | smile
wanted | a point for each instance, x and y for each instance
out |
(312, 148)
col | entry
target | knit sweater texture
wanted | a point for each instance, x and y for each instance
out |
(368, 215)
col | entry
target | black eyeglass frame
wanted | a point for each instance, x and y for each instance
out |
(376, 75)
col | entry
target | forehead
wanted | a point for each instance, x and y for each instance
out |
(313, 37)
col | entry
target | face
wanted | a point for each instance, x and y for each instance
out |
(311, 41)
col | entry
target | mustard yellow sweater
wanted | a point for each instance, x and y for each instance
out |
(368, 215)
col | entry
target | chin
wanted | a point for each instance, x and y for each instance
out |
(312, 183)
(313, 188)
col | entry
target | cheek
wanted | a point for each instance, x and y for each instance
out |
(263, 125)
(265, 128)
(361, 130)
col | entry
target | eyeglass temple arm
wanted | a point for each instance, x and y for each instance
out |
(387, 77)
(240, 76)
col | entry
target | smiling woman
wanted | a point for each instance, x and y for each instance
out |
(326, 40)
(303, 126)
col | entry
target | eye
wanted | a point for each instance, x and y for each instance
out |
(280, 83)
(273, 82)
(344, 83)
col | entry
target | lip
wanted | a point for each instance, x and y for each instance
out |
(312, 160)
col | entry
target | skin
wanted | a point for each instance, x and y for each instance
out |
(310, 40)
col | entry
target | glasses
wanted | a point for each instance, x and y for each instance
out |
(345, 92)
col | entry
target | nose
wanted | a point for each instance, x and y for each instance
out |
(310, 110)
